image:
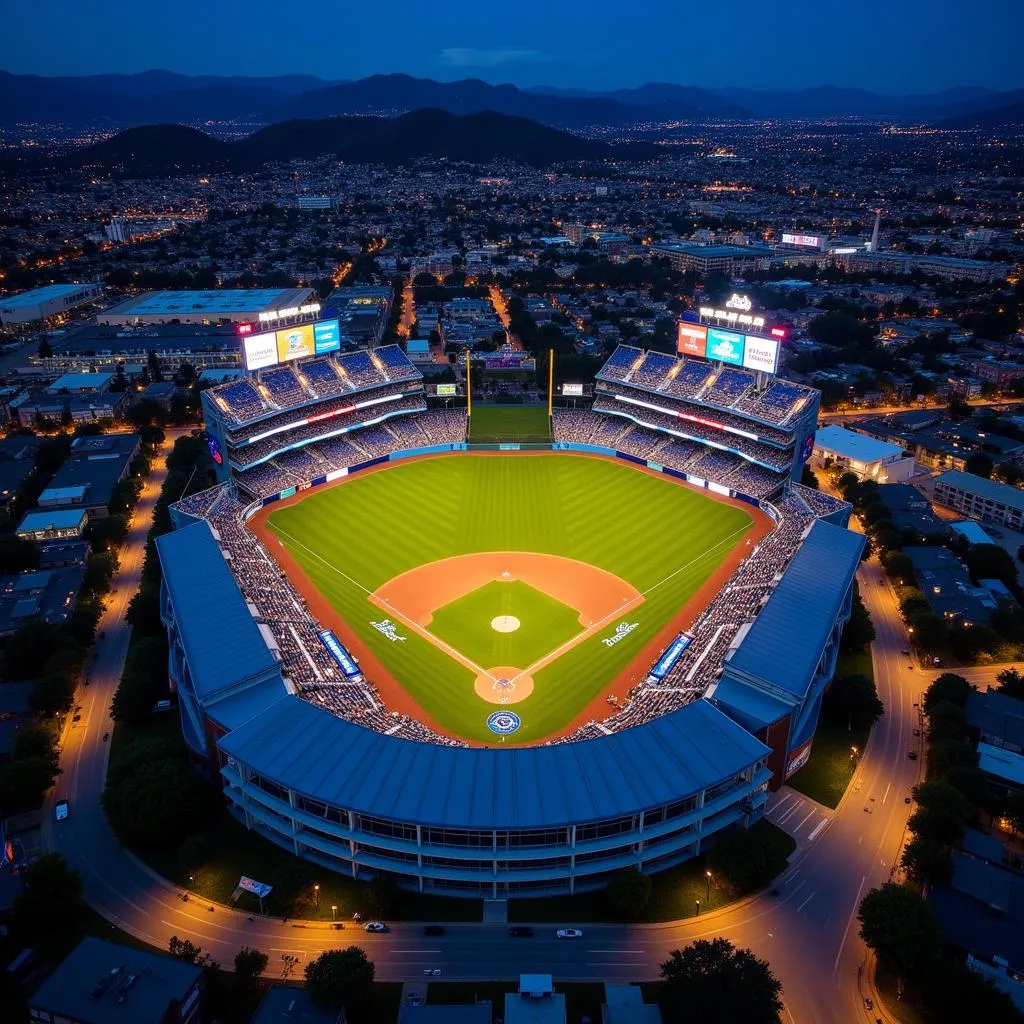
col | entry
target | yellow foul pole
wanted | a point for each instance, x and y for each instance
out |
(551, 380)
(469, 390)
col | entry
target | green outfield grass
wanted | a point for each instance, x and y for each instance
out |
(663, 538)
(544, 624)
(491, 423)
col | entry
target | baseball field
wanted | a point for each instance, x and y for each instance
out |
(479, 584)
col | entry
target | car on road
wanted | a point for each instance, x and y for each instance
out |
(521, 932)
(60, 811)
(433, 929)
(912, 754)
(375, 926)
(569, 933)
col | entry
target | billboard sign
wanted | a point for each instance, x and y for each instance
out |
(260, 889)
(672, 654)
(572, 390)
(692, 339)
(810, 241)
(447, 390)
(295, 343)
(326, 336)
(725, 346)
(761, 354)
(259, 351)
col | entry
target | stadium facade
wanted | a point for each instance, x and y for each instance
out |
(307, 754)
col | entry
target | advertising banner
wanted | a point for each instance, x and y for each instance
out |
(326, 336)
(761, 354)
(446, 390)
(692, 339)
(725, 346)
(295, 343)
(572, 390)
(259, 351)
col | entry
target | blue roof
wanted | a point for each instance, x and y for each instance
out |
(37, 296)
(50, 519)
(308, 749)
(752, 708)
(784, 644)
(1002, 494)
(852, 445)
(222, 642)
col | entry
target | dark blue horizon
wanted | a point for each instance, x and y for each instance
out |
(891, 48)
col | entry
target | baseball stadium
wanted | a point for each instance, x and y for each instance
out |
(408, 641)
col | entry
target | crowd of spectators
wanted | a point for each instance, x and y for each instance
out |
(289, 387)
(696, 380)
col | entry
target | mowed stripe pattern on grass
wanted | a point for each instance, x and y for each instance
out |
(663, 538)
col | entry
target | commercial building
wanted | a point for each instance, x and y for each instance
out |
(865, 457)
(952, 268)
(80, 383)
(979, 498)
(42, 406)
(911, 512)
(17, 463)
(93, 468)
(46, 595)
(47, 525)
(535, 1002)
(946, 585)
(286, 1004)
(624, 1004)
(43, 303)
(101, 982)
(726, 259)
(234, 305)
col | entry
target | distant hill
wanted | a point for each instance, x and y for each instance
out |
(480, 137)
(1011, 114)
(387, 94)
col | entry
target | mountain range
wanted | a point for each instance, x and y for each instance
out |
(477, 137)
(164, 96)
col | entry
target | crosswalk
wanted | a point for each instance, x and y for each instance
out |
(798, 815)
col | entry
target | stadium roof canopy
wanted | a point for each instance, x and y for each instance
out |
(311, 751)
(851, 445)
(223, 644)
(783, 646)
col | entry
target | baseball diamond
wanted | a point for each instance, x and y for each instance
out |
(593, 559)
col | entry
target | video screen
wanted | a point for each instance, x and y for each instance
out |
(692, 339)
(326, 336)
(295, 343)
(259, 351)
(761, 354)
(725, 346)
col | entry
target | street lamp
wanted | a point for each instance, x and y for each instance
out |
(853, 753)
(316, 896)
(698, 907)
(334, 911)
(707, 875)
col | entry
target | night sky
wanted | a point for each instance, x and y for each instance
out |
(890, 46)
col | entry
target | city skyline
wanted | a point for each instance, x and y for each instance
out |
(893, 51)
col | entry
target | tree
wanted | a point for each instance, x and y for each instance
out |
(946, 721)
(991, 562)
(383, 894)
(340, 977)
(51, 896)
(184, 949)
(713, 982)
(855, 698)
(23, 781)
(927, 862)
(143, 682)
(949, 686)
(629, 892)
(17, 554)
(52, 693)
(1011, 682)
(742, 861)
(34, 740)
(859, 631)
(901, 928)
(958, 409)
(980, 464)
(945, 755)
(27, 651)
(898, 566)
(249, 965)
(193, 853)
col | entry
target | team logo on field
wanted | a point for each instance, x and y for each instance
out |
(622, 630)
(504, 723)
(389, 629)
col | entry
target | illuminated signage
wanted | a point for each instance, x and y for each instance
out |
(326, 336)
(725, 346)
(688, 417)
(692, 339)
(811, 241)
(446, 390)
(739, 302)
(572, 390)
(295, 342)
(674, 652)
(259, 350)
(215, 453)
(761, 354)
(338, 652)
(283, 314)
(319, 418)
(245, 328)
(731, 317)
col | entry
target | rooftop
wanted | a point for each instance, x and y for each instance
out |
(220, 302)
(101, 982)
(1002, 494)
(50, 519)
(202, 592)
(715, 250)
(520, 787)
(37, 296)
(285, 1004)
(81, 382)
(851, 445)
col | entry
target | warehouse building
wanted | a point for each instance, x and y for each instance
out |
(726, 259)
(978, 498)
(48, 301)
(94, 467)
(234, 305)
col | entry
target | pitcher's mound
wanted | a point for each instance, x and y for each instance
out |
(503, 685)
(505, 623)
